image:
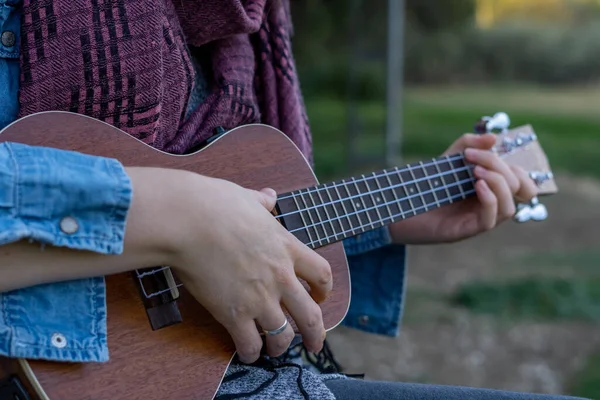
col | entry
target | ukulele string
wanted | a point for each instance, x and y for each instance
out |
(435, 161)
(382, 221)
(379, 206)
(371, 192)
(141, 275)
(386, 173)
(314, 242)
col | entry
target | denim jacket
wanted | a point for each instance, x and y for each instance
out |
(78, 201)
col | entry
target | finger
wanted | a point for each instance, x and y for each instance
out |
(528, 189)
(492, 162)
(489, 205)
(484, 141)
(307, 315)
(315, 270)
(501, 191)
(267, 197)
(248, 342)
(271, 319)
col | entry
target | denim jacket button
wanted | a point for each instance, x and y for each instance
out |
(363, 320)
(59, 340)
(68, 225)
(8, 38)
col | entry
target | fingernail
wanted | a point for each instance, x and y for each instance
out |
(470, 154)
(270, 192)
(479, 170)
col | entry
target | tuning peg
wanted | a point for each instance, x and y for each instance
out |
(534, 211)
(499, 121)
(540, 177)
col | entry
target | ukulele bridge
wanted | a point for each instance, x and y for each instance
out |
(159, 292)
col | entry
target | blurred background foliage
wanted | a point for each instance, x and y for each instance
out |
(551, 42)
(537, 60)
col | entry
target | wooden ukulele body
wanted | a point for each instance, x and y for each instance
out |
(186, 360)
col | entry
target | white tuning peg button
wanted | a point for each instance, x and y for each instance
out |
(523, 213)
(534, 211)
(539, 212)
(499, 121)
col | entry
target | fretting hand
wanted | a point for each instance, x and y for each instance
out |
(498, 186)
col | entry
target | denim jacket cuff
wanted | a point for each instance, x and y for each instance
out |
(34, 204)
(368, 241)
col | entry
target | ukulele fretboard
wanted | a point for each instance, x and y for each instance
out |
(331, 212)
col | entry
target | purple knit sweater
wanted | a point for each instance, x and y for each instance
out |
(126, 62)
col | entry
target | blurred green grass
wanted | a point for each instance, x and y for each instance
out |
(566, 121)
(534, 298)
(587, 383)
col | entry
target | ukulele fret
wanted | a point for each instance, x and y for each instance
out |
(328, 219)
(301, 212)
(375, 200)
(314, 214)
(457, 179)
(381, 192)
(416, 184)
(444, 184)
(341, 201)
(362, 204)
(356, 205)
(398, 199)
(430, 185)
(336, 220)
(409, 190)
(464, 175)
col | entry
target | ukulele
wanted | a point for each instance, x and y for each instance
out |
(163, 343)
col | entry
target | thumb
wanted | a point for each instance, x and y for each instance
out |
(484, 142)
(267, 198)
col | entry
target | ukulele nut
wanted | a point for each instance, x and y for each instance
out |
(58, 340)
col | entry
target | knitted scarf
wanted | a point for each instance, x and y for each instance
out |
(128, 63)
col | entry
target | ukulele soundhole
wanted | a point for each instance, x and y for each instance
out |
(159, 293)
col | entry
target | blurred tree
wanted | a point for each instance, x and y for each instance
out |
(435, 15)
(491, 12)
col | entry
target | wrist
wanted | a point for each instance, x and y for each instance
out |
(159, 220)
(414, 231)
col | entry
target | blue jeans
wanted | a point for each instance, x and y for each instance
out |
(356, 389)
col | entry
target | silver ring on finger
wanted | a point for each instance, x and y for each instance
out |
(278, 330)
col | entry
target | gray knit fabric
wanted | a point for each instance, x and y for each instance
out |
(275, 380)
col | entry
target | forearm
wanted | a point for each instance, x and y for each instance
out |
(150, 239)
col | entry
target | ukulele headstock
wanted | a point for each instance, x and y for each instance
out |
(520, 146)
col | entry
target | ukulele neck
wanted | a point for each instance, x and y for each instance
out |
(331, 212)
